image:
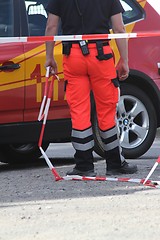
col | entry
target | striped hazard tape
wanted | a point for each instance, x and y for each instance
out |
(79, 37)
(149, 183)
(43, 113)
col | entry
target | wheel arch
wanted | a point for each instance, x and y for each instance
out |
(146, 84)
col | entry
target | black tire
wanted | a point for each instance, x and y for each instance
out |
(145, 121)
(20, 153)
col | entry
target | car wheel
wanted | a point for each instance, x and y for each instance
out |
(20, 153)
(136, 119)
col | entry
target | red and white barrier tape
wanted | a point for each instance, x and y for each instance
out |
(40, 117)
(152, 170)
(79, 37)
(51, 167)
(149, 183)
(43, 115)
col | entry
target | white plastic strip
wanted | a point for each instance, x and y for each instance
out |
(47, 72)
(47, 159)
(42, 108)
(122, 35)
(151, 172)
(68, 38)
(79, 37)
(13, 39)
(46, 110)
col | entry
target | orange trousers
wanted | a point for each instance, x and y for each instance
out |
(86, 73)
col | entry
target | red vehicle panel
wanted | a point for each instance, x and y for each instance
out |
(22, 80)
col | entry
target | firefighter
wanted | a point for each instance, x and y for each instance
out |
(89, 65)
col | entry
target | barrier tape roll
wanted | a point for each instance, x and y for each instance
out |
(78, 37)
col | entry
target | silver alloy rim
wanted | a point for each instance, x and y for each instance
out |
(133, 121)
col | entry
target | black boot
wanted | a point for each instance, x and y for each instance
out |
(113, 153)
(125, 168)
(89, 173)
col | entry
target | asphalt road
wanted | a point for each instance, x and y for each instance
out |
(34, 206)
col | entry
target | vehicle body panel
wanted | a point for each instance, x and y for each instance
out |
(12, 83)
(144, 54)
(22, 89)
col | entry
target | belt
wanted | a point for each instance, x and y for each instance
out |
(105, 43)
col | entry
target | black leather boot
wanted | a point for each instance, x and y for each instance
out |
(113, 153)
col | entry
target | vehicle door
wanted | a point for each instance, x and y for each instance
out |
(144, 53)
(133, 13)
(11, 65)
(35, 71)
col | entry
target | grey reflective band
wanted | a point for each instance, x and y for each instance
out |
(82, 134)
(111, 145)
(83, 147)
(109, 133)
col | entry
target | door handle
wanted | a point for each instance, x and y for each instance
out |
(12, 66)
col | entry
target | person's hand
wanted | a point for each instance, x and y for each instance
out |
(123, 70)
(53, 66)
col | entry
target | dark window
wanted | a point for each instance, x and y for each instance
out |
(6, 18)
(37, 17)
(133, 11)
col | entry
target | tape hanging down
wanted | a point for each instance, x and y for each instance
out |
(79, 37)
(152, 170)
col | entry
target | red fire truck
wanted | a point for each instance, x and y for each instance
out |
(22, 79)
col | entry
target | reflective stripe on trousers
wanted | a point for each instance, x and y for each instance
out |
(112, 148)
(83, 143)
(82, 140)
